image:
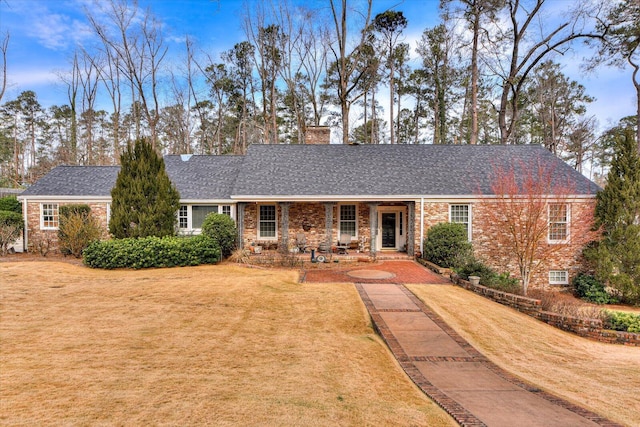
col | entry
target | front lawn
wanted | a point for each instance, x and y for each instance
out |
(220, 345)
(603, 377)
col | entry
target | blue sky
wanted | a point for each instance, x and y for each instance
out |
(45, 32)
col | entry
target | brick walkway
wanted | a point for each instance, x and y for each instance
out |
(473, 390)
(404, 271)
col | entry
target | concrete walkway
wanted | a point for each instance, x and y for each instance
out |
(474, 391)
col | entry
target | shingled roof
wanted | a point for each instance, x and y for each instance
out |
(389, 170)
(75, 181)
(203, 177)
(329, 172)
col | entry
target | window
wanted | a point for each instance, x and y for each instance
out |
(348, 220)
(558, 219)
(558, 277)
(226, 210)
(199, 213)
(267, 227)
(183, 217)
(49, 216)
(460, 214)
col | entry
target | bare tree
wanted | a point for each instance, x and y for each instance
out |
(531, 216)
(139, 47)
(89, 78)
(620, 45)
(4, 46)
(346, 60)
(527, 49)
(312, 52)
(390, 25)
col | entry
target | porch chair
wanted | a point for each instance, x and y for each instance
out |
(343, 243)
(301, 243)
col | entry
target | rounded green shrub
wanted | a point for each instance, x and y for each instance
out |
(622, 321)
(147, 252)
(447, 245)
(11, 204)
(589, 288)
(222, 229)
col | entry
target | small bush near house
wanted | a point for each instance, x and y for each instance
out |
(447, 245)
(588, 288)
(78, 228)
(11, 204)
(222, 229)
(489, 277)
(622, 321)
(11, 225)
(149, 252)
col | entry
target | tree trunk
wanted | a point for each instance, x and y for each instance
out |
(473, 138)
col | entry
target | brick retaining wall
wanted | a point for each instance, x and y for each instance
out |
(588, 328)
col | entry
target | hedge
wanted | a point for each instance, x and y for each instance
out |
(147, 252)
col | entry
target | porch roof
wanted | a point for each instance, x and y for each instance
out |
(388, 171)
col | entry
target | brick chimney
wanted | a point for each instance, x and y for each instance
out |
(317, 135)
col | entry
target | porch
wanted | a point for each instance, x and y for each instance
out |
(373, 229)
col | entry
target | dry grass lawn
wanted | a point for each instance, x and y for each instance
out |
(219, 345)
(602, 377)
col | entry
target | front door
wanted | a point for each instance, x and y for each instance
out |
(388, 230)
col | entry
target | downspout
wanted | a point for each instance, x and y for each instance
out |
(25, 241)
(421, 223)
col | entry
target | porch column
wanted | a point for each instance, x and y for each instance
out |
(373, 225)
(411, 228)
(284, 227)
(328, 217)
(240, 224)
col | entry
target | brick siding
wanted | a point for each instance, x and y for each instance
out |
(34, 233)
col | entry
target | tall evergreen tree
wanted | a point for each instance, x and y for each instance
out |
(144, 201)
(617, 256)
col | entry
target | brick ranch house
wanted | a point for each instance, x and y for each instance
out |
(384, 196)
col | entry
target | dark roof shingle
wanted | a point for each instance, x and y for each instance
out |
(329, 171)
(389, 170)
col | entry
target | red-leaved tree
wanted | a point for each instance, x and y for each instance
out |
(533, 216)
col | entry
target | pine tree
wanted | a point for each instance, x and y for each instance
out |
(617, 256)
(144, 201)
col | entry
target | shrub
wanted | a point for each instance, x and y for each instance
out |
(622, 321)
(149, 252)
(77, 229)
(11, 225)
(144, 201)
(476, 268)
(588, 288)
(222, 229)
(489, 277)
(11, 204)
(447, 245)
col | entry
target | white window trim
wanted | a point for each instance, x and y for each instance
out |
(355, 205)
(568, 223)
(469, 219)
(57, 207)
(270, 238)
(190, 206)
(565, 281)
